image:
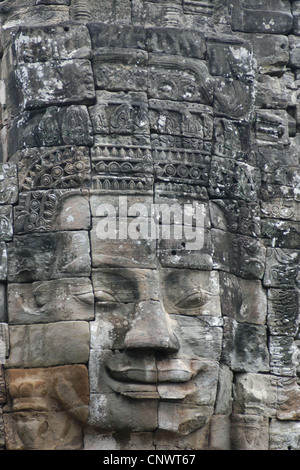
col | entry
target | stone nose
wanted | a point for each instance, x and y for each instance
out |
(151, 328)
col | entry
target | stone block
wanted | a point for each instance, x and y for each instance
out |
(50, 301)
(3, 307)
(117, 242)
(120, 69)
(116, 36)
(273, 93)
(245, 346)
(284, 435)
(3, 261)
(37, 257)
(232, 139)
(254, 17)
(231, 179)
(249, 432)
(185, 247)
(238, 254)
(219, 433)
(171, 78)
(241, 299)
(272, 127)
(282, 268)
(41, 43)
(53, 168)
(280, 233)
(271, 51)
(191, 292)
(110, 412)
(183, 42)
(37, 15)
(8, 183)
(53, 402)
(224, 392)
(233, 99)
(53, 83)
(283, 311)
(129, 285)
(235, 216)
(56, 126)
(120, 113)
(51, 211)
(283, 355)
(200, 336)
(230, 57)
(45, 345)
(183, 420)
(4, 342)
(6, 223)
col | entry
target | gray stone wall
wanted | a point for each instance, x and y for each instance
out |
(137, 342)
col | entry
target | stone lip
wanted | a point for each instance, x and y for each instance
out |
(140, 382)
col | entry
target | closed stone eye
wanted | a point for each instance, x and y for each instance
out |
(195, 299)
(105, 298)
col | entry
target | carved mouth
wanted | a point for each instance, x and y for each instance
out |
(170, 379)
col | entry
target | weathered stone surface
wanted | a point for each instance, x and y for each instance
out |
(224, 391)
(6, 223)
(64, 84)
(220, 433)
(235, 216)
(53, 168)
(232, 139)
(8, 183)
(50, 301)
(2, 434)
(272, 127)
(284, 435)
(191, 293)
(282, 268)
(185, 42)
(3, 261)
(253, 17)
(233, 99)
(3, 393)
(69, 125)
(238, 254)
(241, 299)
(282, 355)
(203, 336)
(51, 211)
(52, 344)
(40, 44)
(45, 400)
(230, 57)
(37, 15)
(37, 256)
(271, 51)
(249, 432)
(120, 113)
(245, 346)
(4, 342)
(224, 182)
(110, 247)
(189, 327)
(3, 308)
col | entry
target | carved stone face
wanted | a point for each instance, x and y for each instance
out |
(154, 363)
